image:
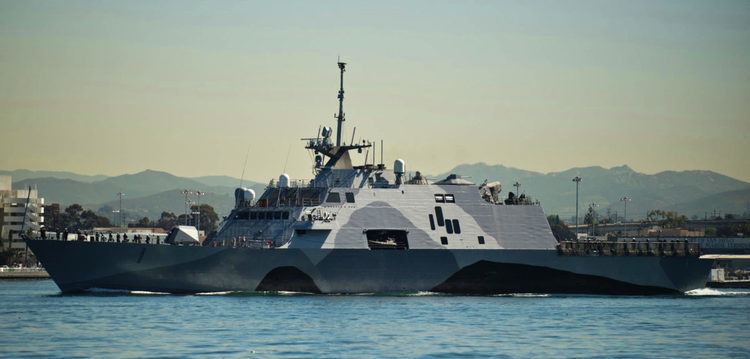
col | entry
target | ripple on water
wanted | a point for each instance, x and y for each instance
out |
(35, 321)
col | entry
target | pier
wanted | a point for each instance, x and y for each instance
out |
(23, 273)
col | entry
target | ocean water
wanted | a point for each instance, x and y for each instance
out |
(37, 321)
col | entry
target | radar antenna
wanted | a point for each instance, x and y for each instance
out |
(340, 116)
(324, 147)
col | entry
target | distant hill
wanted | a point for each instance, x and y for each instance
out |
(736, 202)
(19, 175)
(150, 192)
(556, 190)
(225, 181)
(67, 191)
(170, 201)
(150, 182)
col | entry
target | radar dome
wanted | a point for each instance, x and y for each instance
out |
(243, 197)
(399, 166)
(284, 180)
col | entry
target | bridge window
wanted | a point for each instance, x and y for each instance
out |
(253, 215)
(349, 197)
(439, 216)
(456, 226)
(444, 241)
(285, 215)
(480, 239)
(449, 226)
(439, 198)
(333, 197)
(276, 215)
(450, 199)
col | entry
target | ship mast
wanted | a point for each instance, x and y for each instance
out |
(340, 116)
(324, 146)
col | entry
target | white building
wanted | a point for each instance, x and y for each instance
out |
(12, 209)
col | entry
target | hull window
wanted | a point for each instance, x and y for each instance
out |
(449, 226)
(333, 197)
(439, 216)
(432, 222)
(456, 227)
(439, 198)
(387, 239)
(242, 215)
(349, 197)
(480, 239)
(444, 241)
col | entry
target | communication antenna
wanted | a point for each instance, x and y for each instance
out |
(340, 117)
(247, 154)
(353, 132)
(287, 158)
(381, 152)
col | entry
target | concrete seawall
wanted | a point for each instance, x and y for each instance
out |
(23, 273)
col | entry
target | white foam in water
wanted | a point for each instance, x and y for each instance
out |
(144, 292)
(215, 293)
(523, 295)
(284, 292)
(423, 294)
(715, 292)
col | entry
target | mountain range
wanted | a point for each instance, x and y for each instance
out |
(150, 192)
(146, 193)
(692, 193)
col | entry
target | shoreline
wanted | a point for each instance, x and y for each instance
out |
(24, 274)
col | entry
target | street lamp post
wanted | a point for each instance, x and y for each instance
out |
(593, 206)
(198, 212)
(625, 201)
(120, 194)
(577, 180)
(186, 192)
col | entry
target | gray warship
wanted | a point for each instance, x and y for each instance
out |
(365, 228)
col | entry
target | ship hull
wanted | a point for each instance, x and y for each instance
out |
(79, 266)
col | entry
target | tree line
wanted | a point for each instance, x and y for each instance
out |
(76, 218)
(208, 219)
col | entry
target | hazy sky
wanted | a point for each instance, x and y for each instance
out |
(114, 87)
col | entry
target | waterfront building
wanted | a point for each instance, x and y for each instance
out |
(12, 209)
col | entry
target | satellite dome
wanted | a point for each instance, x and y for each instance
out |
(399, 166)
(283, 180)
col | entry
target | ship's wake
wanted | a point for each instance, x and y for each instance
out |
(714, 292)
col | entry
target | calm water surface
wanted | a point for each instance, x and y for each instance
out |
(36, 321)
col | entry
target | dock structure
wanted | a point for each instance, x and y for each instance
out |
(23, 273)
(629, 248)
